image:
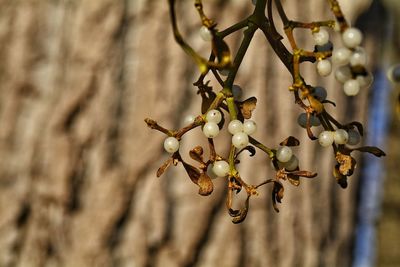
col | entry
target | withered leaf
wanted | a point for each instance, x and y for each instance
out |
(306, 174)
(197, 154)
(205, 184)
(329, 102)
(247, 107)
(233, 213)
(199, 178)
(340, 179)
(294, 180)
(251, 149)
(165, 166)
(347, 164)
(359, 127)
(243, 212)
(194, 173)
(277, 194)
(371, 149)
(290, 141)
(343, 182)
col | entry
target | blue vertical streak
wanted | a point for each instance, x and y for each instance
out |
(372, 174)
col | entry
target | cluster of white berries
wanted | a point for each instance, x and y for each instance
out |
(339, 137)
(321, 38)
(286, 158)
(349, 57)
(241, 131)
(211, 128)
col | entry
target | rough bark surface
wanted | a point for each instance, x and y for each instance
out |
(77, 163)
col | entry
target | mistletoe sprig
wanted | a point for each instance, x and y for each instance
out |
(216, 104)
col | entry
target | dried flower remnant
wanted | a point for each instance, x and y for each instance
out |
(219, 106)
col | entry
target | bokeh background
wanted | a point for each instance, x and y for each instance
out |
(78, 164)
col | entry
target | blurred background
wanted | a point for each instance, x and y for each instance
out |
(78, 165)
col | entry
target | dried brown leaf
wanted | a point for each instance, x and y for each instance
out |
(290, 141)
(347, 164)
(251, 149)
(277, 194)
(294, 180)
(247, 107)
(371, 149)
(340, 178)
(201, 179)
(205, 185)
(243, 212)
(194, 173)
(359, 127)
(197, 154)
(165, 166)
(305, 174)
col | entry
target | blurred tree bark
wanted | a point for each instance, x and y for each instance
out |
(77, 168)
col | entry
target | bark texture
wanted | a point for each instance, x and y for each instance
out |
(77, 168)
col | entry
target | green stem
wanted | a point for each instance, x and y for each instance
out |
(259, 145)
(232, 108)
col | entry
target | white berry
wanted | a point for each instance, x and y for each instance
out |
(320, 93)
(343, 74)
(214, 116)
(341, 56)
(354, 137)
(284, 154)
(352, 37)
(189, 119)
(292, 164)
(326, 138)
(351, 87)
(235, 126)
(221, 168)
(321, 37)
(240, 140)
(341, 137)
(210, 129)
(324, 67)
(359, 57)
(205, 34)
(249, 127)
(237, 92)
(171, 144)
